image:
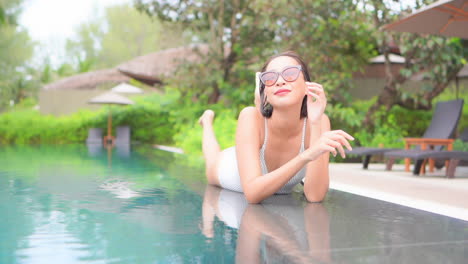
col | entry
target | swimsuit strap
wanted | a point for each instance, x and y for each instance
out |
(266, 136)
(262, 151)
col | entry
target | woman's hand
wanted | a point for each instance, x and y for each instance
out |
(330, 141)
(316, 101)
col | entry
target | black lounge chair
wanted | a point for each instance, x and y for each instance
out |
(368, 153)
(464, 135)
(443, 125)
(453, 158)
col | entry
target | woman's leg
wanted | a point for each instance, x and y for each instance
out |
(210, 147)
(209, 210)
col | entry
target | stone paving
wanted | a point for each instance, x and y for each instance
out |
(431, 192)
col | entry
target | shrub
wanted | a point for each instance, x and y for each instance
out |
(148, 119)
(189, 136)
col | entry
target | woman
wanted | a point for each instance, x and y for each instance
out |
(280, 228)
(285, 139)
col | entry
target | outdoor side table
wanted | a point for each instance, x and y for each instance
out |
(427, 144)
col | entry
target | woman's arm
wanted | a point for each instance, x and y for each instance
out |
(260, 224)
(317, 180)
(317, 227)
(322, 141)
(257, 188)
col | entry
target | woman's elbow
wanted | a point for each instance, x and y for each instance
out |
(315, 197)
(252, 197)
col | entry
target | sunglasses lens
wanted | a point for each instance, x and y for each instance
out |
(268, 78)
(291, 74)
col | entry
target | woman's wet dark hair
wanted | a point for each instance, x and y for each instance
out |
(265, 107)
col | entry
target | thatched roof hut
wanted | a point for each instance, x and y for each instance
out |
(89, 80)
(72, 93)
(152, 68)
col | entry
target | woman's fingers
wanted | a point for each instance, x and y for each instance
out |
(341, 133)
(346, 135)
(334, 142)
(330, 149)
(314, 84)
(316, 88)
(313, 95)
(319, 93)
(334, 145)
(342, 152)
(337, 139)
(342, 140)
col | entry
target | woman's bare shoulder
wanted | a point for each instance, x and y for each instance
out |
(250, 114)
(249, 123)
(249, 129)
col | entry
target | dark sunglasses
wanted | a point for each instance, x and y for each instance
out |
(289, 74)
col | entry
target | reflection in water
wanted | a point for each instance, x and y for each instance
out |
(122, 150)
(121, 189)
(59, 204)
(279, 230)
(94, 149)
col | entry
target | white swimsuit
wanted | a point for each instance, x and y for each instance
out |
(228, 172)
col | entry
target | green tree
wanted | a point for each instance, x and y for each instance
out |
(84, 49)
(9, 11)
(331, 35)
(2, 15)
(439, 58)
(130, 34)
(15, 49)
(122, 34)
(235, 36)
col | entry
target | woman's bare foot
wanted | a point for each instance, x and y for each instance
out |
(207, 117)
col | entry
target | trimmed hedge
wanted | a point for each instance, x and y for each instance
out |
(148, 119)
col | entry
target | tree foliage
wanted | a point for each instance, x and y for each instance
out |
(242, 34)
(336, 38)
(235, 37)
(439, 59)
(122, 34)
(15, 49)
(332, 36)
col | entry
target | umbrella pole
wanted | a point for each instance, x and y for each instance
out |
(109, 124)
(456, 87)
(109, 140)
(109, 156)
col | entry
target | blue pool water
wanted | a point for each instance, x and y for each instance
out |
(74, 204)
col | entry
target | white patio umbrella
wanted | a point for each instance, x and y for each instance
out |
(445, 17)
(110, 98)
(126, 88)
(392, 57)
